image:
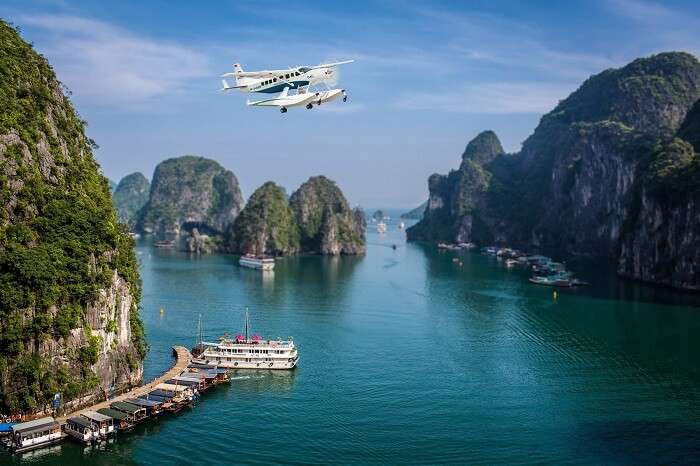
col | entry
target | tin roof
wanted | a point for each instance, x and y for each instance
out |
(81, 421)
(97, 417)
(113, 413)
(36, 423)
(144, 403)
(126, 407)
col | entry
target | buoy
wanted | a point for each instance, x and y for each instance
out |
(554, 294)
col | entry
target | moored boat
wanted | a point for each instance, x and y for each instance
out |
(257, 262)
(247, 352)
(35, 434)
(81, 429)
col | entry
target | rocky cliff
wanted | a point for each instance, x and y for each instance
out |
(580, 185)
(188, 192)
(69, 283)
(417, 213)
(130, 195)
(326, 222)
(266, 225)
(316, 219)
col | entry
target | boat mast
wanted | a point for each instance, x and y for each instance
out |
(199, 326)
(246, 325)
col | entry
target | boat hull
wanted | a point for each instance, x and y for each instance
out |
(252, 365)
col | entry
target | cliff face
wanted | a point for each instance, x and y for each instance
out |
(190, 192)
(69, 283)
(130, 195)
(580, 183)
(326, 223)
(455, 198)
(266, 225)
(315, 220)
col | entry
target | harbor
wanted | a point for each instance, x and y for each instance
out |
(177, 388)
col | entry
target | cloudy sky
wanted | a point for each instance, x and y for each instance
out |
(427, 78)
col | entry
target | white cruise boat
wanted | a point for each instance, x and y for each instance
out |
(381, 227)
(244, 352)
(257, 262)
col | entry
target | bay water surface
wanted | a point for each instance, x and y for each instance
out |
(409, 357)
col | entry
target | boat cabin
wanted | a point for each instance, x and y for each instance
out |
(104, 424)
(121, 420)
(34, 434)
(81, 429)
(135, 413)
(152, 407)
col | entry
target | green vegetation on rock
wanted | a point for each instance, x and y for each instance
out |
(326, 222)
(130, 195)
(60, 241)
(189, 192)
(266, 225)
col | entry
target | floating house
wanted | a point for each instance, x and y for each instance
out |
(152, 407)
(81, 429)
(35, 434)
(135, 413)
(121, 420)
(103, 424)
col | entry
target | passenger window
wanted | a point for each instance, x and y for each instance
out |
(287, 76)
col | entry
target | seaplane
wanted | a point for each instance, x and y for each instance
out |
(301, 79)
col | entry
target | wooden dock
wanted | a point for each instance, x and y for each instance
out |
(183, 359)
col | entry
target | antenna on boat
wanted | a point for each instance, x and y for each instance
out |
(199, 328)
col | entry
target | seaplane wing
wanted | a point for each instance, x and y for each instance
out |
(254, 74)
(331, 65)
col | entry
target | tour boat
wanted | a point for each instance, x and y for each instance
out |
(35, 434)
(81, 429)
(104, 424)
(257, 262)
(401, 226)
(381, 227)
(247, 352)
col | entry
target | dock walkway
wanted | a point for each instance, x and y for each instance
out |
(183, 359)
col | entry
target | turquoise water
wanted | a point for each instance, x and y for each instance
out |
(406, 357)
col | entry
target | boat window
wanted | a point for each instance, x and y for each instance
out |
(275, 80)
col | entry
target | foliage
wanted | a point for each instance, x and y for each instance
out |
(59, 237)
(130, 195)
(266, 225)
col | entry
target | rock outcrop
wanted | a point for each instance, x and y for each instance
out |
(69, 282)
(580, 185)
(188, 192)
(316, 219)
(417, 213)
(266, 225)
(326, 222)
(129, 197)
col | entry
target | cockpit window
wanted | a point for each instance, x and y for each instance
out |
(304, 69)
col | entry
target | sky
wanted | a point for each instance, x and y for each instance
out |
(427, 77)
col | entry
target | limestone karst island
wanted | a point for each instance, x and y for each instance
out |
(245, 234)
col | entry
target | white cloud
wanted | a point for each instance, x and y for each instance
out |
(108, 65)
(491, 98)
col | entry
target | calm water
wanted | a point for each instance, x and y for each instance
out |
(406, 357)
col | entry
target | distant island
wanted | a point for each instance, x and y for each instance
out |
(417, 213)
(611, 172)
(316, 219)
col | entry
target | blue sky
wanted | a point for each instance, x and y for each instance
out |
(428, 77)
